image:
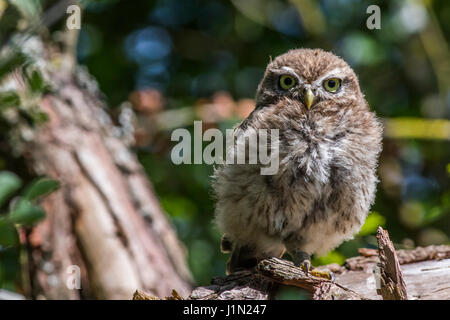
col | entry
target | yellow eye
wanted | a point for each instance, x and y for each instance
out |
(332, 85)
(287, 82)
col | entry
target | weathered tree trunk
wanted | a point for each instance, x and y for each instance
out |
(105, 218)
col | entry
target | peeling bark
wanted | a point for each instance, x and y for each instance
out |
(392, 285)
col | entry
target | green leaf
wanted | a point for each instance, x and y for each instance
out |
(9, 184)
(36, 82)
(10, 267)
(9, 99)
(11, 62)
(38, 117)
(8, 234)
(26, 213)
(373, 220)
(40, 187)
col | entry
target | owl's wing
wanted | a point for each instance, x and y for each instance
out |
(245, 123)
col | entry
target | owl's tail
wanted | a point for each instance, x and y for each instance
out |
(242, 257)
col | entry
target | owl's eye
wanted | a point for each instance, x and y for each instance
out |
(332, 85)
(287, 82)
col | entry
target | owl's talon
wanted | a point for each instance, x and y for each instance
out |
(306, 266)
(302, 260)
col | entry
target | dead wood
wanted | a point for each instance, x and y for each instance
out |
(392, 285)
(426, 273)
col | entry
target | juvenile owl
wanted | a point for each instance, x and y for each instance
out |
(329, 142)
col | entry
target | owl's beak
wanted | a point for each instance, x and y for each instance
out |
(309, 98)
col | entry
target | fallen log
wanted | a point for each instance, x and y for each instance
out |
(375, 274)
(424, 271)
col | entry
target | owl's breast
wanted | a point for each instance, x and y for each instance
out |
(306, 156)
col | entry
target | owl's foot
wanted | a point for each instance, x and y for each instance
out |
(303, 260)
(323, 274)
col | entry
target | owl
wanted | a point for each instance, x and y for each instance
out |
(328, 147)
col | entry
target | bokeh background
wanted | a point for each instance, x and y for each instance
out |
(163, 64)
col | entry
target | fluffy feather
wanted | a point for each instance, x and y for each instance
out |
(326, 180)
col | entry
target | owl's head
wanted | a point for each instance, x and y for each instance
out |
(311, 77)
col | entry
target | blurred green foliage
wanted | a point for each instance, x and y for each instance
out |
(18, 210)
(189, 50)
